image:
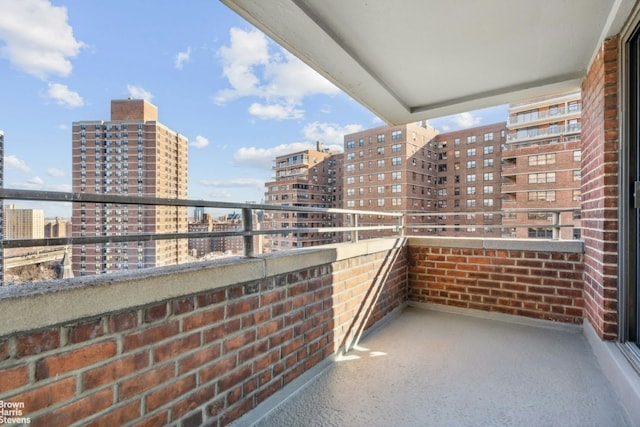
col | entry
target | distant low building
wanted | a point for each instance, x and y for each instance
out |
(57, 228)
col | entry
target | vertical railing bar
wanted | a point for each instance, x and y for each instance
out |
(247, 225)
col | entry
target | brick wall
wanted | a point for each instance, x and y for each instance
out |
(537, 284)
(200, 359)
(600, 190)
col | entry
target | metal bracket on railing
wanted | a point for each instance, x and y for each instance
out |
(247, 224)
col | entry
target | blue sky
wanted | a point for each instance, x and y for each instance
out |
(239, 98)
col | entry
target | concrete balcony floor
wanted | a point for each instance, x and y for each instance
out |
(432, 368)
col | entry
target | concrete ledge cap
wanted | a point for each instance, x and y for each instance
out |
(536, 245)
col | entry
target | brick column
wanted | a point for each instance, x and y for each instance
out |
(600, 145)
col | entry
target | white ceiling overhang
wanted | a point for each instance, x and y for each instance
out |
(409, 60)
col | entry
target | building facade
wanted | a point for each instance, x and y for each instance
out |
(468, 181)
(391, 169)
(309, 178)
(23, 223)
(541, 165)
(130, 154)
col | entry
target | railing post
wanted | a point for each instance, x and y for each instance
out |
(247, 225)
(555, 218)
(402, 222)
(354, 225)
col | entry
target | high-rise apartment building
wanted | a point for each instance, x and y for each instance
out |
(131, 154)
(468, 181)
(310, 178)
(391, 169)
(57, 228)
(541, 164)
(23, 223)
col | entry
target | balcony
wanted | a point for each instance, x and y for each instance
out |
(225, 341)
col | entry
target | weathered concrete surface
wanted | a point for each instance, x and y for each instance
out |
(430, 368)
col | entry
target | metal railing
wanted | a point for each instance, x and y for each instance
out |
(324, 226)
(247, 209)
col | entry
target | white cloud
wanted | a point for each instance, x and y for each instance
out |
(63, 126)
(200, 142)
(234, 183)
(13, 162)
(36, 180)
(63, 96)
(138, 92)
(37, 37)
(280, 79)
(466, 120)
(262, 158)
(329, 133)
(183, 57)
(55, 172)
(275, 111)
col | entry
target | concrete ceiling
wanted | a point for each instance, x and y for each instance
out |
(408, 60)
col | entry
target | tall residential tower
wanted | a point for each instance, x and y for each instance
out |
(131, 154)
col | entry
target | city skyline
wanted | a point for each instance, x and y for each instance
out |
(214, 77)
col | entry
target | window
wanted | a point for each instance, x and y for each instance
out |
(488, 163)
(456, 153)
(396, 148)
(573, 125)
(381, 189)
(380, 150)
(380, 137)
(542, 159)
(396, 134)
(577, 156)
(351, 168)
(396, 201)
(576, 196)
(487, 203)
(395, 161)
(351, 191)
(471, 164)
(488, 176)
(442, 192)
(471, 139)
(396, 188)
(471, 177)
(351, 156)
(554, 128)
(576, 175)
(380, 202)
(527, 116)
(380, 177)
(456, 141)
(553, 110)
(351, 144)
(471, 190)
(572, 107)
(396, 175)
(487, 189)
(351, 180)
(488, 136)
(471, 203)
(527, 132)
(542, 196)
(488, 149)
(471, 151)
(542, 178)
(381, 163)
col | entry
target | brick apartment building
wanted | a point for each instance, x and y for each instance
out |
(204, 222)
(131, 154)
(310, 178)
(391, 169)
(541, 164)
(468, 181)
(57, 228)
